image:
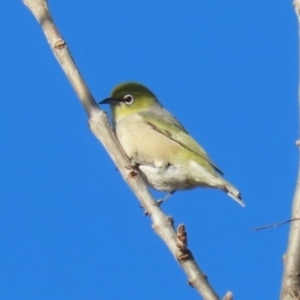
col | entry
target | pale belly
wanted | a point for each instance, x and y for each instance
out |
(177, 177)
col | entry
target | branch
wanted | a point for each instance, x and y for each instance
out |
(291, 278)
(99, 125)
(228, 296)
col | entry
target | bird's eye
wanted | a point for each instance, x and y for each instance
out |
(128, 99)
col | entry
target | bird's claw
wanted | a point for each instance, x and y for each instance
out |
(159, 202)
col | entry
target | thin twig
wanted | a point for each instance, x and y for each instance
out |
(99, 125)
(275, 224)
(290, 288)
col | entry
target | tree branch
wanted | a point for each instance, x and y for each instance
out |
(99, 125)
(291, 278)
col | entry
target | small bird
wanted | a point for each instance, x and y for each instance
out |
(168, 158)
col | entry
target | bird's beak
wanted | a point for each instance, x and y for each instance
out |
(107, 101)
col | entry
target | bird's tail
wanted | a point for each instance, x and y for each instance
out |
(233, 192)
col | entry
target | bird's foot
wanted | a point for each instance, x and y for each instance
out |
(162, 200)
(159, 202)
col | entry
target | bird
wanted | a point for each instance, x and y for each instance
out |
(158, 145)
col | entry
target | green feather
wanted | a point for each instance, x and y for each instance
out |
(162, 121)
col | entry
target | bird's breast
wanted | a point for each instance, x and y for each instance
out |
(144, 144)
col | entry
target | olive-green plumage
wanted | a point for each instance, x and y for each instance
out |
(167, 156)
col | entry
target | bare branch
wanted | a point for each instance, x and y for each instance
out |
(228, 296)
(291, 278)
(99, 125)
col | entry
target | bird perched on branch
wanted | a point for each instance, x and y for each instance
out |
(168, 158)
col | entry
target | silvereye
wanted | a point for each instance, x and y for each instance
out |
(168, 158)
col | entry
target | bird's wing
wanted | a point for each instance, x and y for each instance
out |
(165, 123)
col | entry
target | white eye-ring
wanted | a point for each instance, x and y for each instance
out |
(128, 99)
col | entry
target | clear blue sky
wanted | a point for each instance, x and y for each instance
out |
(70, 228)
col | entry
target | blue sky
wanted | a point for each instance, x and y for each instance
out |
(70, 228)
